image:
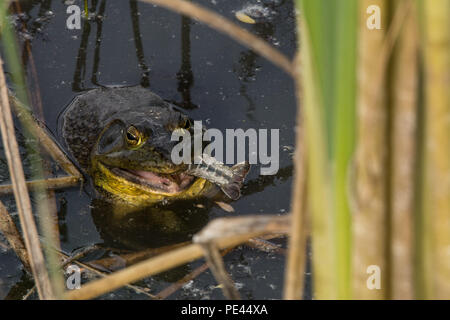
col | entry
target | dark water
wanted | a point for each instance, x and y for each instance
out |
(211, 77)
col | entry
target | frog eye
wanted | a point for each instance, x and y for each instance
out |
(133, 136)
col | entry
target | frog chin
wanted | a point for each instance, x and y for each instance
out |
(126, 190)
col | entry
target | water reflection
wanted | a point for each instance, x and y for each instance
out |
(80, 69)
(145, 81)
(247, 66)
(185, 76)
(98, 40)
(126, 227)
(97, 16)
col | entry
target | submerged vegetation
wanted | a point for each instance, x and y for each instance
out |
(372, 166)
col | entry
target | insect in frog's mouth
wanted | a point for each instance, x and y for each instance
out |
(166, 183)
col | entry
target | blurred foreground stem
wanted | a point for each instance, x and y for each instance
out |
(433, 276)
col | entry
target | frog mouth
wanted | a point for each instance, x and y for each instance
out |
(157, 182)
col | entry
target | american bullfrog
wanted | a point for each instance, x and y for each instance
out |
(121, 137)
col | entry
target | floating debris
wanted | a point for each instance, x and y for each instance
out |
(255, 14)
(225, 206)
(241, 16)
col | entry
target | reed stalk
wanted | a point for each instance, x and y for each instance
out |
(433, 274)
(328, 50)
(46, 217)
(343, 144)
(31, 236)
(318, 184)
(404, 99)
(9, 230)
(296, 259)
(369, 218)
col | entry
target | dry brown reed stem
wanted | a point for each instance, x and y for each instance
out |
(177, 257)
(29, 293)
(191, 276)
(403, 141)
(39, 131)
(36, 103)
(369, 248)
(264, 245)
(372, 152)
(257, 243)
(49, 199)
(167, 292)
(231, 226)
(102, 274)
(296, 259)
(217, 267)
(229, 28)
(123, 260)
(9, 230)
(221, 228)
(136, 272)
(21, 194)
(50, 184)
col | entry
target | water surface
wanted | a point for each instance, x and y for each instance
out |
(210, 76)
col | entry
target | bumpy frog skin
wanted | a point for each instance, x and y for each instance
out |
(121, 138)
